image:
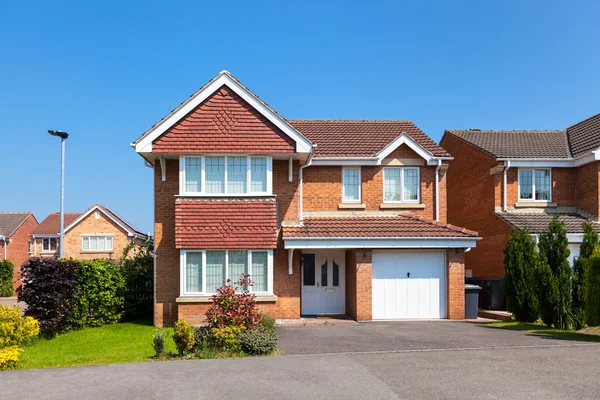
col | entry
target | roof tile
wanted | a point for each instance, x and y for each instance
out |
(10, 221)
(538, 222)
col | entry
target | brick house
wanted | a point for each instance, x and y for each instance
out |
(328, 217)
(96, 233)
(15, 228)
(504, 179)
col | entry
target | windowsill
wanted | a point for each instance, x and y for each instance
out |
(265, 298)
(534, 204)
(97, 251)
(352, 206)
(225, 196)
(402, 205)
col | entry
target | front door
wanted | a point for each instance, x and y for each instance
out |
(323, 284)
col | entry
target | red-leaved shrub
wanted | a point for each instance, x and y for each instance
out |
(230, 308)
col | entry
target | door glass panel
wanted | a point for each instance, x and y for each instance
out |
(336, 274)
(309, 270)
(324, 274)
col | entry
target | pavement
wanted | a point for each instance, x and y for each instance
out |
(510, 364)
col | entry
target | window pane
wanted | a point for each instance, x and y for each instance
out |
(258, 174)
(411, 184)
(525, 184)
(215, 174)
(237, 169)
(336, 274)
(351, 184)
(309, 270)
(542, 184)
(215, 270)
(109, 244)
(391, 184)
(193, 174)
(193, 272)
(259, 271)
(53, 244)
(324, 274)
(86, 243)
(45, 244)
(238, 265)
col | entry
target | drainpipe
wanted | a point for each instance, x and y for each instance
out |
(301, 181)
(506, 167)
(3, 238)
(437, 188)
(34, 246)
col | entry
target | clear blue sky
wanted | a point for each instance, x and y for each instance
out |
(107, 72)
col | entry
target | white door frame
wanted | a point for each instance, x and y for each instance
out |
(324, 299)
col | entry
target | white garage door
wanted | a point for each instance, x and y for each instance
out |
(409, 284)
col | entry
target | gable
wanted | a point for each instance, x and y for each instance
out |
(89, 224)
(224, 123)
(403, 151)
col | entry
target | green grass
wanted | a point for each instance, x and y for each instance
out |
(109, 344)
(544, 330)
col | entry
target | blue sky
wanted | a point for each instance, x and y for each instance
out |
(107, 72)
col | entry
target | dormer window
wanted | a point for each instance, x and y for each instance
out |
(535, 184)
(225, 175)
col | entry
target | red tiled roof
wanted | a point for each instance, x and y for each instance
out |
(359, 138)
(51, 225)
(226, 223)
(403, 225)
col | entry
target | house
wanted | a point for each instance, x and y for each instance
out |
(504, 179)
(15, 228)
(96, 233)
(328, 217)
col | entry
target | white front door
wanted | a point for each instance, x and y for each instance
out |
(323, 283)
(409, 284)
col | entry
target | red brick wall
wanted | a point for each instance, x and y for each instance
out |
(17, 247)
(364, 283)
(455, 259)
(587, 178)
(564, 187)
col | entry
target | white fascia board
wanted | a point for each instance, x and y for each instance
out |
(553, 162)
(379, 243)
(404, 139)
(96, 208)
(345, 161)
(45, 235)
(145, 144)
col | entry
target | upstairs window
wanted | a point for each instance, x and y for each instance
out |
(49, 244)
(351, 185)
(535, 185)
(401, 185)
(225, 175)
(96, 243)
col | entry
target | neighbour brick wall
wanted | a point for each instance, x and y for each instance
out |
(36, 248)
(587, 178)
(224, 123)
(288, 193)
(564, 187)
(455, 259)
(16, 250)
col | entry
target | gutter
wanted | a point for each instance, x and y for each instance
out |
(437, 190)
(384, 238)
(506, 167)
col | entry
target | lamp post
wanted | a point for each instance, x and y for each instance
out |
(63, 136)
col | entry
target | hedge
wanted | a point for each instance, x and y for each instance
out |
(6, 278)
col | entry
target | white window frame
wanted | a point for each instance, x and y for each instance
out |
(105, 250)
(533, 199)
(183, 275)
(352, 201)
(268, 192)
(49, 250)
(418, 200)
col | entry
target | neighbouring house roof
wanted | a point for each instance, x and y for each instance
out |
(11, 221)
(584, 136)
(517, 144)
(120, 221)
(405, 225)
(538, 222)
(361, 138)
(51, 224)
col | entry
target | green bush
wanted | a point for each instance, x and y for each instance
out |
(555, 276)
(99, 295)
(183, 336)
(6, 278)
(202, 337)
(580, 267)
(139, 281)
(158, 343)
(258, 341)
(520, 287)
(268, 323)
(226, 338)
(593, 289)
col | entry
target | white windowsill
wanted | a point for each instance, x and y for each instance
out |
(352, 206)
(226, 196)
(402, 205)
(534, 204)
(208, 299)
(97, 251)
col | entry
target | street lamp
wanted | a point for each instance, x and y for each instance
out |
(63, 136)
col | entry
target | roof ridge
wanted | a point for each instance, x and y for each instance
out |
(506, 130)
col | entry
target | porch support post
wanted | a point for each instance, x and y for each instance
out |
(290, 261)
(163, 168)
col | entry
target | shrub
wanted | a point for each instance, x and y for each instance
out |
(183, 336)
(16, 330)
(580, 267)
(258, 341)
(268, 323)
(230, 308)
(48, 287)
(520, 287)
(158, 343)
(98, 297)
(202, 337)
(139, 281)
(555, 276)
(9, 357)
(593, 289)
(6, 278)
(226, 338)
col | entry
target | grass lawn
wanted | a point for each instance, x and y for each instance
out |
(109, 344)
(544, 330)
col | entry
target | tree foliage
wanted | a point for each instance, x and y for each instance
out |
(6, 278)
(580, 267)
(592, 298)
(139, 281)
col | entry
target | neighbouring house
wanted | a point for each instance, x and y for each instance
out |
(15, 228)
(504, 179)
(328, 217)
(96, 233)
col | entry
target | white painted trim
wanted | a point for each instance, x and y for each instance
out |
(290, 169)
(533, 199)
(351, 201)
(290, 261)
(370, 242)
(504, 174)
(554, 162)
(402, 201)
(97, 208)
(144, 144)
(437, 190)
(163, 168)
(400, 140)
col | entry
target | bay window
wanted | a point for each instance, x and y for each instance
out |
(401, 185)
(535, 184)
(351, 185)
(225, 175)
(203, 271)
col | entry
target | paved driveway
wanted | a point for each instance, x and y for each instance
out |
(403, 336)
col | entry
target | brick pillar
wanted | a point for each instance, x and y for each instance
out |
(364, 283)
(455, 259)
